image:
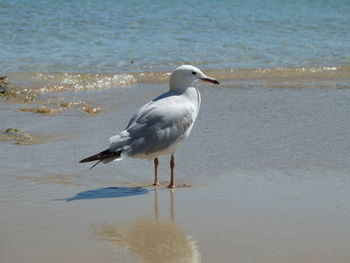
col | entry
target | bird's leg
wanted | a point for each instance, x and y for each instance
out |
(172, 165)
(156, 162)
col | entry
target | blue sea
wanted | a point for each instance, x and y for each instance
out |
(105, 36)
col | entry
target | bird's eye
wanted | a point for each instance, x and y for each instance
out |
(194, 73)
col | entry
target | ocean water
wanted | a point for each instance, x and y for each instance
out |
(108, 36)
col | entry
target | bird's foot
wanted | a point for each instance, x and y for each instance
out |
(171, 186)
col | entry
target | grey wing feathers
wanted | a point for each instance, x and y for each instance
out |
(156, 129)
(155, 126)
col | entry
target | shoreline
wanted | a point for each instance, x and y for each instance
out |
(42, 83)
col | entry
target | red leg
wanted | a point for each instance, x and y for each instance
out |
(172, 165)
(156, 171)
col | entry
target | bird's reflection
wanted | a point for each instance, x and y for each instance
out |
(153, 239)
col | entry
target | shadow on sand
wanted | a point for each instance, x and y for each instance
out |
(108, 192)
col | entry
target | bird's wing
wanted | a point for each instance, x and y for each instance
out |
(122, 140)
(153, 103)
(159, 124)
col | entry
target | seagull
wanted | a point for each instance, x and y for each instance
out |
(161, 125)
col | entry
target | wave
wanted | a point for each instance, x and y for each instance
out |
(63, 82)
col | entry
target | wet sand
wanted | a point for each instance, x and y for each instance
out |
(268, 171)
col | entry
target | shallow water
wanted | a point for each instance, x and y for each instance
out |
(268, 169)
(131, 36)
(299, 77)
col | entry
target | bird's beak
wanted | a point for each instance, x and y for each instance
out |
(211, 80)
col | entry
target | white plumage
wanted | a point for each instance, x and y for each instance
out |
(162, 124)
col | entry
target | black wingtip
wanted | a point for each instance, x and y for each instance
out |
(88, 159)
(101, 156)
(85, 160)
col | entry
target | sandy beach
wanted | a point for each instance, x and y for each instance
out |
(264, 177)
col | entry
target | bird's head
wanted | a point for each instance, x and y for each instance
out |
(185, 76)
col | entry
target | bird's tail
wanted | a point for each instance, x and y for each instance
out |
(102, 156)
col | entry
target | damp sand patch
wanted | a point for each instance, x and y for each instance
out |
(16, 135)
(59, 107)
(80, 105)
(20, 137)
(42, 110)
(12, 92)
